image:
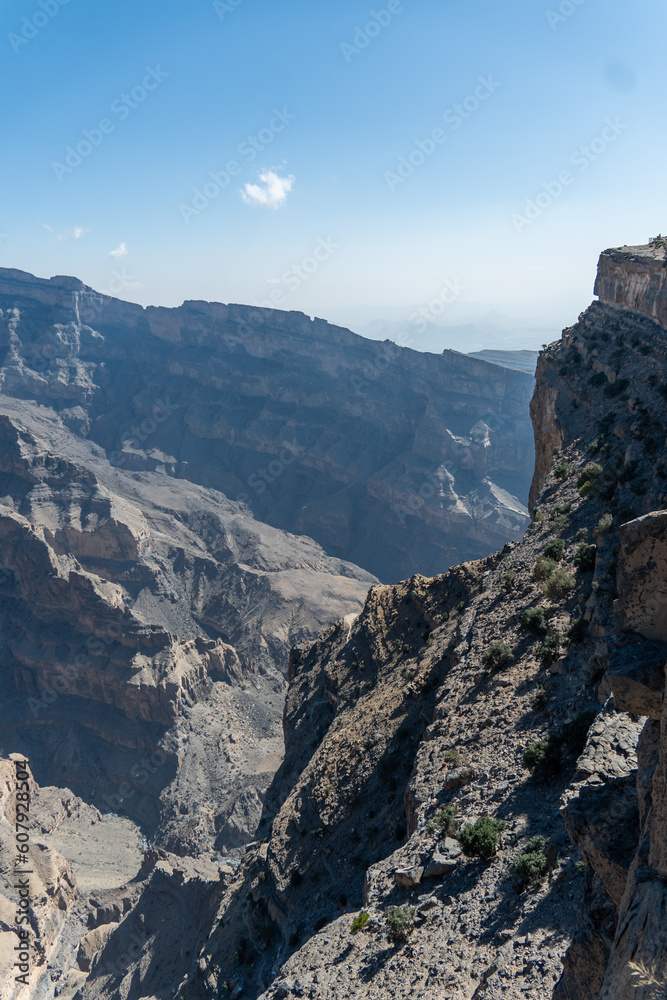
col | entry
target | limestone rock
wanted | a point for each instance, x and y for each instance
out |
(408, 878)
(440, 865)
(642, 576)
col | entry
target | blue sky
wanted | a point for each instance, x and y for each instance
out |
(320, 217)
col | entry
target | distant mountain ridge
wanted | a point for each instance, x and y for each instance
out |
(391, 459)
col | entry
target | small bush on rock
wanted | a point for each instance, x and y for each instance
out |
(543, 568)
(549, 650)
(558, 584)
(359, 922)
(562, 471)
(543, 759)
(589, 473)
(498, 656)
(554, 549)
(480, 839)
(530, 865)
(400, 923)
(444, 823)
(577, 630)
(604, 525)
(585, 558)
(535, 620)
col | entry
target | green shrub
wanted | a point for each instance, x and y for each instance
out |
(549, 650)
(452, 757)
(480, 839)
(586, 489)
(589, 473)
(445, 822)
(560, 583)
(604, 525)
(509, 579)
(562, 508)
(560, 522)
(544, 759)
(585, 558)
(498, 656)
(530, 865)
(359, 922)
(581, 535)
(535, 620)
(555, 549)
(577, 630)
(562, 471)
(543, 568)
(400, 923)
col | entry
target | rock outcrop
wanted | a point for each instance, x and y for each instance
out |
(394, 460)
(635, 278)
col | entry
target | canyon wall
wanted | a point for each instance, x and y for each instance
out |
(394, 460)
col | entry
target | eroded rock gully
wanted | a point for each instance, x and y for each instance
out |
(410, 704)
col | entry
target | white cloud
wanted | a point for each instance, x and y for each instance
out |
(271, 193)
(72, 234)
(120, 251)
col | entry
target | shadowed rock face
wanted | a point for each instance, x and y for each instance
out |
(397, 461)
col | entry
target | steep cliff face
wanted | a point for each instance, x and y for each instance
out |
(395, 460)
(413, 720)
(146, 624)
(635, 279)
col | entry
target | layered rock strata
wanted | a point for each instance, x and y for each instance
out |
(395, 460)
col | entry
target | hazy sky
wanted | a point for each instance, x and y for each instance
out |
(337, 155)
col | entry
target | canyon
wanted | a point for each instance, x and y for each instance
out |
(149, 621)
(397, 461)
